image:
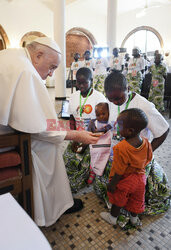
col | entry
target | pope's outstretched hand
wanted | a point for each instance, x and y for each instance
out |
(83, 136)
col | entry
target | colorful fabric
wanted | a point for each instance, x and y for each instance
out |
(116, 62)
(134, 76)
(158, 193)
(156, 93)
(135, 81)
(77, 167)
(130, 193)
(77, 164)
(98, 83)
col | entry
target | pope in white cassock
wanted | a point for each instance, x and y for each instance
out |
(25, 106)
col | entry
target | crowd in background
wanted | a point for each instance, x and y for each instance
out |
(134, 67)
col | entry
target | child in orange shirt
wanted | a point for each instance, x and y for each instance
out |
(127, 180)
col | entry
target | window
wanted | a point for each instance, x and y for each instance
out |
(146, 38)
(105, 52)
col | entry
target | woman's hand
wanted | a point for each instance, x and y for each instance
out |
(78, 147)
(74, 146)
(156, 142)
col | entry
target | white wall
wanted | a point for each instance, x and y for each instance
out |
(21, 16)
(82, 14)
(157, 18)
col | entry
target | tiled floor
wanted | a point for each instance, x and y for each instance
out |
(86, 230)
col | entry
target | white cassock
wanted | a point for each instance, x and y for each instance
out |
(25, 105)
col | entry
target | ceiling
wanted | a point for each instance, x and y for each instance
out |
(101, 5)
(123, 5)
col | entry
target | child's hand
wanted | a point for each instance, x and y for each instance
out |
(82, 148)
(111, 188)
(78, 147)
(74, 146)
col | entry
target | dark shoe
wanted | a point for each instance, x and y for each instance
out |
(78, 205)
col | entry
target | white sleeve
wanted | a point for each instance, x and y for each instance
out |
(156, 122)
(99, 96)
(102, 98)
(54, 137)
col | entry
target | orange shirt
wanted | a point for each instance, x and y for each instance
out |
(128, 159)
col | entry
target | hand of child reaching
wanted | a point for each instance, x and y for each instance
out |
(75, 146)
(78, 147)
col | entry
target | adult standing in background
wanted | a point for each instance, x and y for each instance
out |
(116, 61)
(126, 59)
(88, 62)
(158, 72)
(26, 106)
(136, 67)
(101, 66)
(76, 64)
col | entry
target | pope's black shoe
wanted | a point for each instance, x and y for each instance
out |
(78, 205)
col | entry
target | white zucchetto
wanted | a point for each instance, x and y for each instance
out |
(47, 41)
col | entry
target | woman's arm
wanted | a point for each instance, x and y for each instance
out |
(156, 142)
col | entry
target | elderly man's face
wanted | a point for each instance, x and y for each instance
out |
(47, 63)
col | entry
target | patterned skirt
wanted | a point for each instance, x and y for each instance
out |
(77, 167)
(98, 83)
(158, 193)
(156, 96)
(134, 82)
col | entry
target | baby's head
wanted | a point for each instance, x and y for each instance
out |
(131, 122)
(102, 111)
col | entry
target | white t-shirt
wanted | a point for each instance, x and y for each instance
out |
(156, 122)
(75, 66)
(89, 107)
(88, 63)
(136, 64)
(101, 65)
(116, 62)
